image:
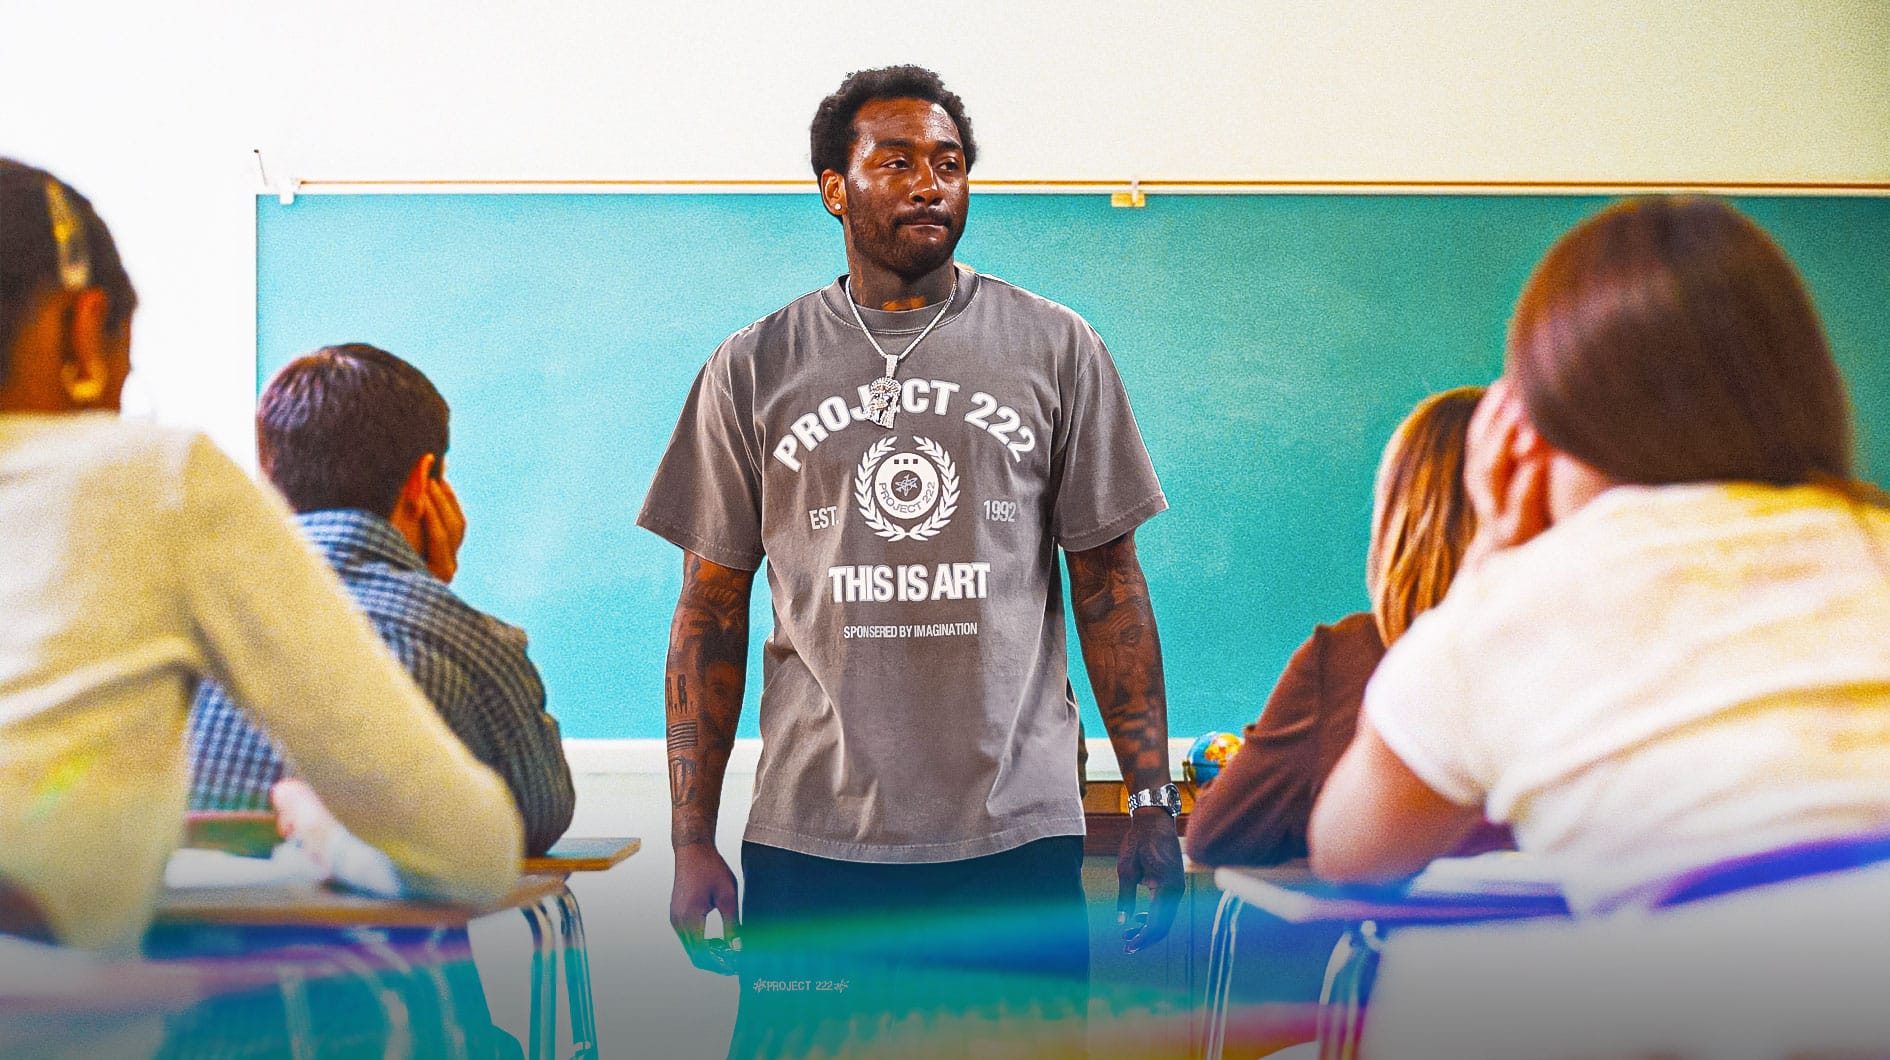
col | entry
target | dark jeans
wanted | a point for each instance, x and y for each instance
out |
(946, 959)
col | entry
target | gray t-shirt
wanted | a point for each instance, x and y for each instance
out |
(914, 704)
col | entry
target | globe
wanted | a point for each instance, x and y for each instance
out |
(1206, 757)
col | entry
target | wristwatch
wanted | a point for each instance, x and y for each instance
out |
(1168, 797)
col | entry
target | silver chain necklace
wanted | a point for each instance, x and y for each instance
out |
(882, 394)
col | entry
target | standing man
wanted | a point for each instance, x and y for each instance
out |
(908, 448)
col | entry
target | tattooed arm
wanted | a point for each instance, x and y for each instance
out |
(708, 662)
(1116, 624)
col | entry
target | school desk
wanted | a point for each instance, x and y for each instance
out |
(569, 855)
(253, 834)
(1454, 891)
(583, 854)
(315, 906)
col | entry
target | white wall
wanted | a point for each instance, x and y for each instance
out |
(153, 109)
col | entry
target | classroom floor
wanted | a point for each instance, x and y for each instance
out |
(650, 1000)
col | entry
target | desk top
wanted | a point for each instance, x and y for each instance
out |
(583, 854)
(318, 906)
(1296, 896)
(252, 834)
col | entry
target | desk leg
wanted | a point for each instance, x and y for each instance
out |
(1349, 975)
(544, 1021)
(1220, 975)
(449, 1006)
(296, 1018)
(577, 976)
(293, 968)
(452, 1030)
(393, 1006)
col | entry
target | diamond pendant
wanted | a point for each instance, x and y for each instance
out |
(882, 399)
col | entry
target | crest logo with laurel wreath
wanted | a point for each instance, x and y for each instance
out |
(906, 486)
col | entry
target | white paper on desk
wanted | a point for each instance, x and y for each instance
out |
(289, 864)
(1503, 872)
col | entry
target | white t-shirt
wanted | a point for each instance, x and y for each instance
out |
(1670, 677)
(134, 560)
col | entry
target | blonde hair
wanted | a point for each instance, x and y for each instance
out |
(1421, 517)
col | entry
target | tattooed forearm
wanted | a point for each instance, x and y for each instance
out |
(703, 681)
(682, 736)
(1116, 624)
(682, 782)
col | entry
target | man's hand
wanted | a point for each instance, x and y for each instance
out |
(1151, 854)
(702, 702)
(1116, 624)
(442, 529)
(704, 882)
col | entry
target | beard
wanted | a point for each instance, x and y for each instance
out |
(882, 241)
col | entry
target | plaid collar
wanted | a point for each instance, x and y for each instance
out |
(349, 536)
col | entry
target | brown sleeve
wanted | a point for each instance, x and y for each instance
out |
(1353, 652)
(1256, 811)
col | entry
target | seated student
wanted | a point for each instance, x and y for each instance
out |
(1675, 648)
(134, 560)
(355, 439)
(1255, 812)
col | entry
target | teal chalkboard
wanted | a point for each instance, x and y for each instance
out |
(1269, 344)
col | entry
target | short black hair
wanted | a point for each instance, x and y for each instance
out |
(831, 136)
(29, 256)
(342, 427)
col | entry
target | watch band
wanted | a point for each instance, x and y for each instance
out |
(1168, 797)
